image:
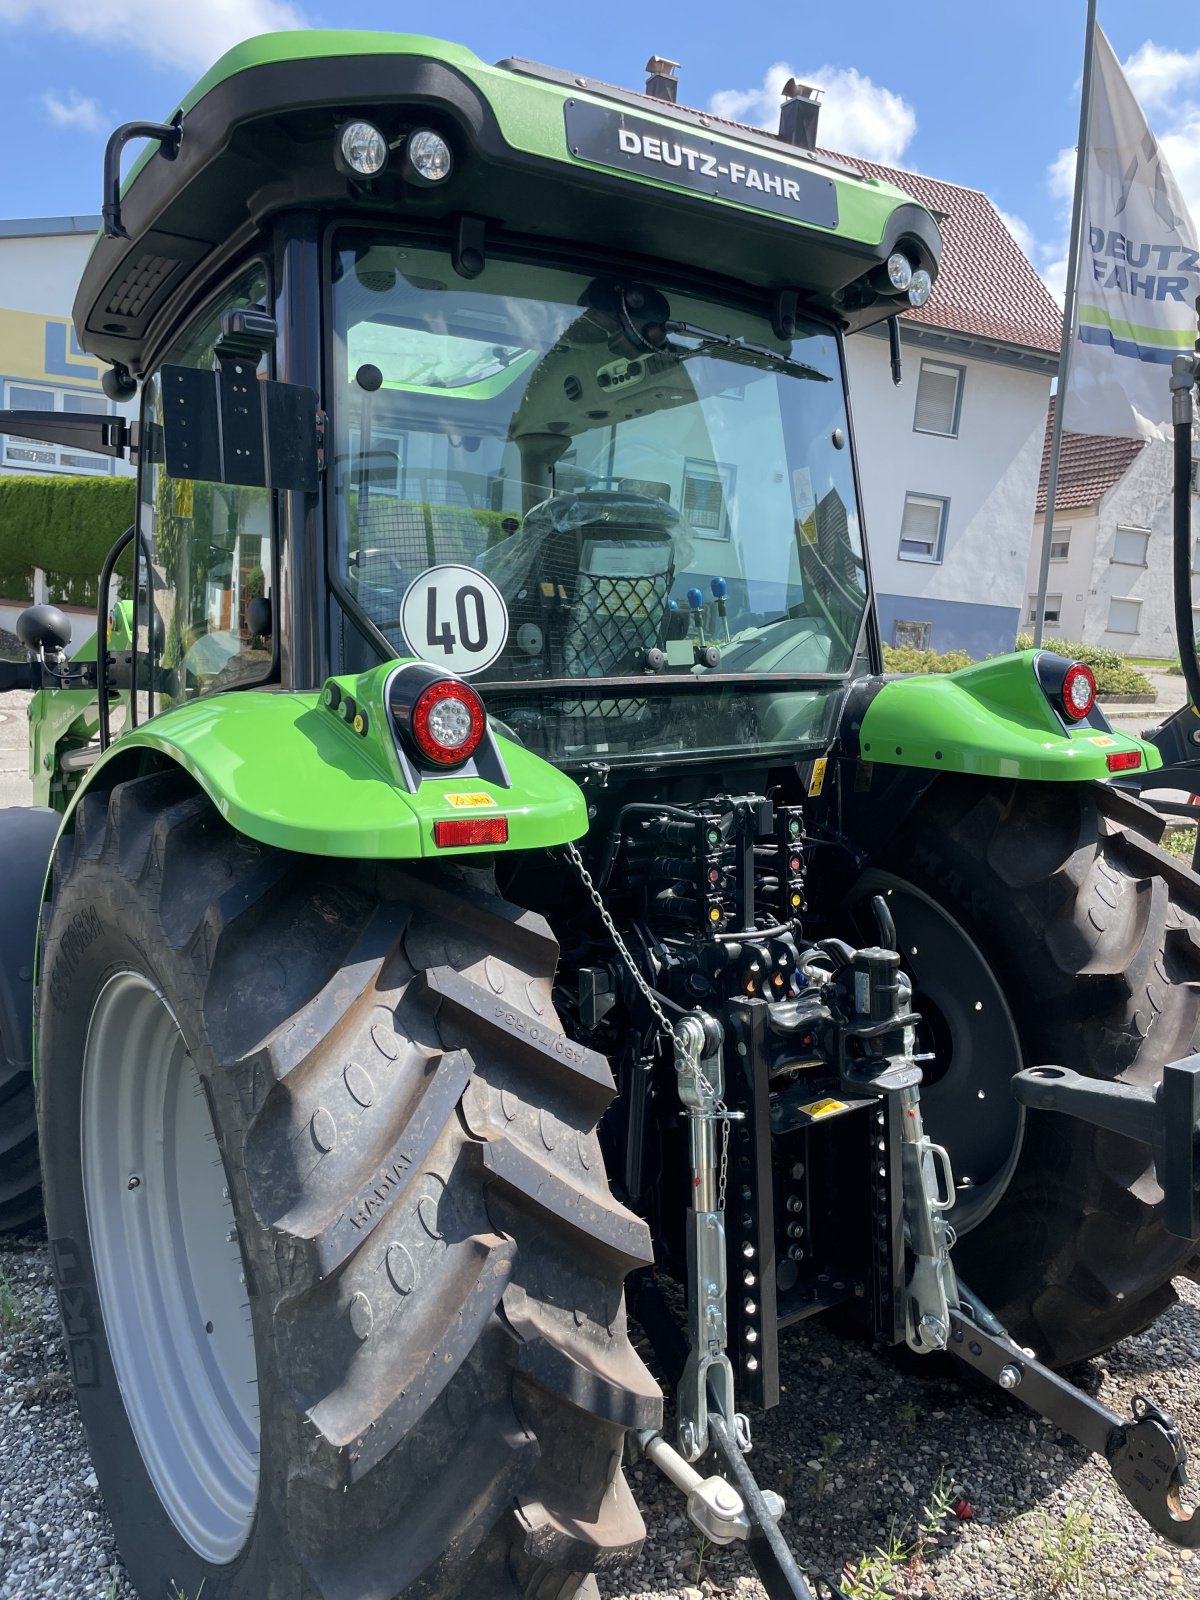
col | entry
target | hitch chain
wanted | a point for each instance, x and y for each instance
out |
(695, 1042)
(714, 1106)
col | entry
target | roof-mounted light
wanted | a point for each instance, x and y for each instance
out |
(361, 150)
(899, 271)
(920, 288)
(427, 156)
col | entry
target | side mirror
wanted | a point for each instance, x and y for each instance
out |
(43, 628)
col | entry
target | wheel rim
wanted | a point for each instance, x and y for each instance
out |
(168, 1268)
(966, 1100)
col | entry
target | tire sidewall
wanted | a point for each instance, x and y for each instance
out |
(102, 926)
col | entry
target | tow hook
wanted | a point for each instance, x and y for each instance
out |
(725, 1512)
(1146, 1452)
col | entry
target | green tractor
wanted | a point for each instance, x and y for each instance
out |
(482, 879)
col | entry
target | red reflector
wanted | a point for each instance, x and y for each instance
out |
(470, 830)
(1124, 760)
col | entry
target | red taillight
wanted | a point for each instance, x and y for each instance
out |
(447, 722)
(470, 830)
(1078, 692)
(1124, 760)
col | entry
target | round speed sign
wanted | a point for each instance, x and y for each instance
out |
(454, 617)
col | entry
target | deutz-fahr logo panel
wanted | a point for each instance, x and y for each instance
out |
(611, 137)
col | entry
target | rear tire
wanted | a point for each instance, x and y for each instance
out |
(1093, 936)
(433, 1262)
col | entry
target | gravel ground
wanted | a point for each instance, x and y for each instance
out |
(858, 1449)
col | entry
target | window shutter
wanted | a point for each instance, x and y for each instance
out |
(937, 399)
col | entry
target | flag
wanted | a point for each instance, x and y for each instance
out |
(1139, 270)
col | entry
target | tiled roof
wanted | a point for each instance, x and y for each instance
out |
(1088, 466)
(986, 286)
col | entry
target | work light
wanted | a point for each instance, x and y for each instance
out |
(427, 156)
(361, 150)
(920, 287)
(899, 270)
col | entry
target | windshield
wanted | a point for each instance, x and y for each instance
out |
(653, 489)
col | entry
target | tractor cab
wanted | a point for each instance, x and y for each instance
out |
(574, 350)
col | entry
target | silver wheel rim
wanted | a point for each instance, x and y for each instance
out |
(168, 1268)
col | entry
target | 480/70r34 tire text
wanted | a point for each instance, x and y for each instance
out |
(398, 1156)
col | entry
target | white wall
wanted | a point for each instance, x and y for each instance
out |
(41, 275)
(989, 473)
(1142, 499)
(1072, 578)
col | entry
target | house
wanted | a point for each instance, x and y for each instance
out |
(949, 461)
(42, 367)
(1110, 576)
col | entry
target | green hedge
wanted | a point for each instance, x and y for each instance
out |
(907, 658)
(1112, 672)
(66, 526)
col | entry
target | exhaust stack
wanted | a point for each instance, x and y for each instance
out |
(798, 114)
(662, 83)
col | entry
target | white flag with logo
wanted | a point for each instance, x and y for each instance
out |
(1139, 270)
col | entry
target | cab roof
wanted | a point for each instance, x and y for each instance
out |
(540, 156)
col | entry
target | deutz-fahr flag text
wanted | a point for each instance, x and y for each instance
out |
(1139, 270)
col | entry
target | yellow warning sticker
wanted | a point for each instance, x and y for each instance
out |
(825, 1108)
(1101, 738)
(817, 782)
(469, 800)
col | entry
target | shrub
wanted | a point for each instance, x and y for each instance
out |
(1112, 672)
(907, 658)
(64, 525)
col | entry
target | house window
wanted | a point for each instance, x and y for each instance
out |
(1129, 546)
(32, 456)
(923, 529)
(1196, 555)
(916, 635)
(1052, 614)
(939, 399)
(1060, 544)
(1124, 616)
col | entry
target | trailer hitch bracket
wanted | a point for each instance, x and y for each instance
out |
(1166, 1118)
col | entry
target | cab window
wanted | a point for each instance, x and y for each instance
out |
(210, 546)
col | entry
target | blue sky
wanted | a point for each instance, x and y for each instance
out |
(984, 95)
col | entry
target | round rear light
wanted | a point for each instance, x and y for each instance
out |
(447, 722)
(1078, 691)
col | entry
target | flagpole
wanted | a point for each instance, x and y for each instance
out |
(1068, 326)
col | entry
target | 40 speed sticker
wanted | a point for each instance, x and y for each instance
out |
(454, 617)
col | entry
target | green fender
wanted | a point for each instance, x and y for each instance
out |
(993, 719)
(287, 770)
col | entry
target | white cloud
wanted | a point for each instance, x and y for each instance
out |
(189, 35)
(75, 111)
(1019, 228)
(858, 117)
(1156, 75)
(1060, 175)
